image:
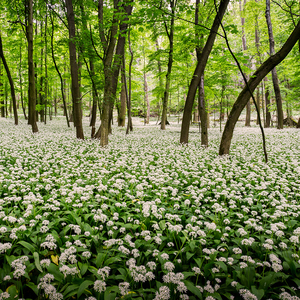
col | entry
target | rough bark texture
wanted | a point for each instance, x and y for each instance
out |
(31, 73)
(256, 78)
(12, 88)
(274, 72)
(187, 113)
(74, 72)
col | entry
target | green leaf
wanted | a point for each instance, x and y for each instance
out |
(54, 270)
(222, 265)
(162, 224)
(84, 285)
(83, 269)
(191, 287)
(100, 258)
(112, 260)
(32, 286)
(258, 293)
(189, 255)
(27, 246)
(37, 261)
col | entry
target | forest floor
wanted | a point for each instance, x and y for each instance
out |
(147, 218)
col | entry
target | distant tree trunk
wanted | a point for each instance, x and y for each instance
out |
(95, 98)
(169, 69)
(62, 81)
(46, 71)
(146, 98)
(2, 103)
(267, 101)
(74, 72)
(274, 72)
(41, 91)
(122, 105)
(254, 81)
(12, 88)
(201, 64)
(31, 73)
(21, 84)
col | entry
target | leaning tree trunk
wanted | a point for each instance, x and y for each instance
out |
(31, 74)
(74, 72)
(201, 64)
(274, 72)
(254, 81)
(12, 88)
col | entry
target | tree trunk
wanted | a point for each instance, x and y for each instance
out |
(274, 72)
(31, 73)
(254, 81)
(244, 45)
(95, 98)
(21, 84)
(160, 78)
(74, 72)
(128, 94)
(169, 69)
(122, 104)
(146, 98)
(12, 88)
(267, 101)
(62, 88)
(184, 137)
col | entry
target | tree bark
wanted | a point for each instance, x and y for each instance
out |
(170, 63)
(274, 72)
(31, 73)
(62, 88)
(128, 94)
(74, 72)
(122, 104)
(184, 136)
(267, 101)
(146, 98)
(12, 88)
(254, 81)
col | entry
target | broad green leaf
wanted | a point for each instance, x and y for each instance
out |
(84, 285)
(27, 246)
(191, 287)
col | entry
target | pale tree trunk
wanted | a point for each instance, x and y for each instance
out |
(170, 64)
(74, 72)
(201, 64)
(146, 98)
(274, 72)
(244, 44)
(12, 88)
(254, 81)
(257, 44)
(160, 78)
(31, 74)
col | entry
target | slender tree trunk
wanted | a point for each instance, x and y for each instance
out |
(201, 96)
(274, 72)
(254, 81)
(2, 102)
(74, 72)
(12, 88)
(160, 77)
(31, 73)
(146, 98)
(201, 64)
(122, 105)
(21, 84)
(62, 81)
(129, 121)
(46, 70)
(169, 69)
(267, 101)
(95, 97)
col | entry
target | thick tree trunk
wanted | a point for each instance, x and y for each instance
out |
(274, 72)
(12, 88)
(74, 72)
(201, 64)
(31, 73)
(254, 81)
